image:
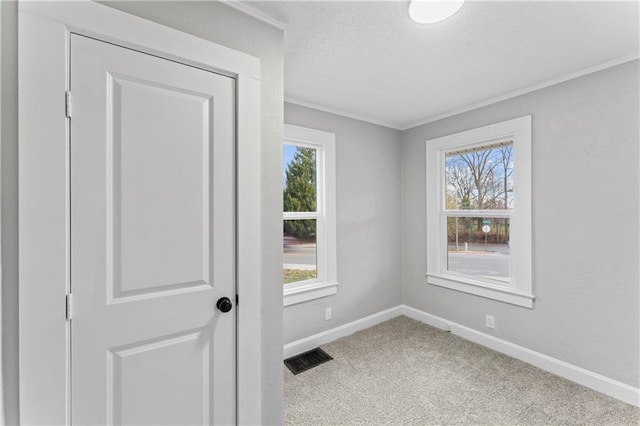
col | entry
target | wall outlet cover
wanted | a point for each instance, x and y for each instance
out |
(490, 321)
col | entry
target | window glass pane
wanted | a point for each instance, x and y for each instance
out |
(479, 179)
(300, 259)
(478, 246)
(299, 179)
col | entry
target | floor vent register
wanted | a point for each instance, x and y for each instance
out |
(305, 361)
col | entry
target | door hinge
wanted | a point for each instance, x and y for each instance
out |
(69, 306)
(68, 103)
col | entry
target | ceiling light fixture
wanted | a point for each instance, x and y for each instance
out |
(432, 11)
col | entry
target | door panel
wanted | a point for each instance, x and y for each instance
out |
(152, 239)
(160, 156)
(134, 379)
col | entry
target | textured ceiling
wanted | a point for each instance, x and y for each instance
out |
(368, 60)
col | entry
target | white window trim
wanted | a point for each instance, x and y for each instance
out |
(327, 282)
(519, 289)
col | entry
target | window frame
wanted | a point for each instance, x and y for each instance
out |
(326, 283)
(519, 289)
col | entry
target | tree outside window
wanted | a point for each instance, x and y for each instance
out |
(300, 196)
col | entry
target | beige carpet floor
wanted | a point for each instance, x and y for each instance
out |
(404, 372)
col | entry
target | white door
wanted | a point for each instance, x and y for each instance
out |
(152, 202)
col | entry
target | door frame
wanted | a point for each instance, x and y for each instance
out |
(44, 210)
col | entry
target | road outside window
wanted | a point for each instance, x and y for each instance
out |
(479, 179)
(300, 257)
(308, 225)
(479, 212)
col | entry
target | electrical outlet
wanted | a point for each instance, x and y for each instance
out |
(327, 314)
(490, 321)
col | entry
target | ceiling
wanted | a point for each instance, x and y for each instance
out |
(367, 60)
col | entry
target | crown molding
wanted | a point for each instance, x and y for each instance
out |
(336, 111)
(547, 83)
(470, 107)
(251, 11)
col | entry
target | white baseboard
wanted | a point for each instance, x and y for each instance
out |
(595, 381)
(426, 318)
(308, 343)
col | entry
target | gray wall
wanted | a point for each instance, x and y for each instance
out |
(585, 211)
(223, 25)
(368, 223)
(585, 224)
(9, 204)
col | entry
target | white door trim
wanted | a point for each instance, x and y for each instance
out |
(44, 30)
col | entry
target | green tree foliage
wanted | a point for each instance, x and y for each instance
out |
(300, 192)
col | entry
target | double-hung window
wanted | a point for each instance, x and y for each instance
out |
(309, 222)
(479, 212)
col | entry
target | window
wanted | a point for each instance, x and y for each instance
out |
(479, 212)
(309, 224)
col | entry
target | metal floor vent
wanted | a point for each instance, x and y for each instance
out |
(303, 362)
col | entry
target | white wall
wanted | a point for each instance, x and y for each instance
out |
(368, 223)
(585, 224)
(223, 25)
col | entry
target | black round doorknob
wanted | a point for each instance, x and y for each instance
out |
(224, 304)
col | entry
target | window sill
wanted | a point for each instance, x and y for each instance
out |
(482, 289)
(309, 292)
